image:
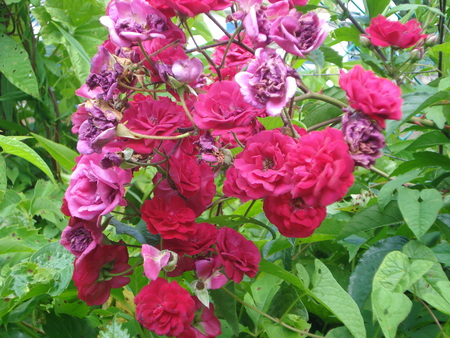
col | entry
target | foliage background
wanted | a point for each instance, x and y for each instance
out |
(378, 265)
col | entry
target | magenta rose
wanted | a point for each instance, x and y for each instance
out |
(378, 98)
(239, 256)
(298, 33)
(267, 83)
(224, 109)
(260, 170)
(81, 237)
(292, 217)
(164, 308)
(91, 273)
(94, 191)
(382, 32)
(205, 324)
(320, 167)
(170, 218)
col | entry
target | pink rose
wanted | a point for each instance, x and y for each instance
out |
(292, 217)
(238, 255)
(205, 325)
(94, 191)
(378, 98)
(320, 167)
(382, 32)
(260, 169)
(298, 33)
(164, 308)
(91, 273)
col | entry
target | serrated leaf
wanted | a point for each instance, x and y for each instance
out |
(347, 34)
(419, 208)
(331, 55)
(15, 65)
(328, 292)
(361, 279)
(62, 154)
(372, 218)
(114, 329)
(386, 192)
(14, 147)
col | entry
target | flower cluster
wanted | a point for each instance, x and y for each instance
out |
(151, 104)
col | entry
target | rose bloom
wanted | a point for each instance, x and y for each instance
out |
(260, 169)
(169, 218)
(239, 256)
(267, 82)
(196, 244)
(81, 237)
(129, 22)
(89, 276)
(193, 7)
(292, 3)
(164, 308)
(320, 167)
(382, 32)
(378, 98)
(292, 217)
(208, 323)
(94, 191)
(298, 33)
(224, 109)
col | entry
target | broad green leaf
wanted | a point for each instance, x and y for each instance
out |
(67, 326)
(410, 7)
(14, 147)
(419, 208)
(331, 55)
(16, 66)
(275, 330)
(75, 44)
(361, 278)
(63, 155)
(444, 48)
(375, 7)
(271, 122)
(395, 275)
(263, 289)
(114, 329)
(346, 34)
(425, 159)
(273, 269)
(287, 300)
(372, 218)
(3, 178)
(386, 192)
(434, 286)
(77, 308)
(427, 140)
(225, 307)
(442, 252)
(328, 292)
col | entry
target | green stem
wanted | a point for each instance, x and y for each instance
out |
(321, 97)
(108, 274)
(380, 172)
(185, 108)
(275, 320)
(325, 123)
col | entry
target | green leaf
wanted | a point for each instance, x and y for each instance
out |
(331, 55)
(423, 159)
(346, 34)
(63, 155)
(225, 307)
(114, 329)
(263, 290)
(328, 292)
(386, 192)
(273, 269)
(411, 7)
(271, 122)
(419, 208)
(375, 7)
(75, 44)
(67, 326)
(361, 278)
(372, 218)
(396, 274)
(15, 65)
(427, 140)
(444, 48)
(14, 147)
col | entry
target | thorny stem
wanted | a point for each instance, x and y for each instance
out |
(275, 320)
(288, 122)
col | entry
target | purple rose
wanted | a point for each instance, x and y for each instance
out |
(267, 83)
(80, 237)
(364, 138)
(97, 126)
(298, 33)
(94, 191)
(133, 21)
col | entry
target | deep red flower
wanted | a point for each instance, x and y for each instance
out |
(91, 273)
(292, 217)
(378, 98)
(164, 308)
(170, 218)
(239, 256)
(320, 167)
(80, 236)
(383, 32)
